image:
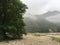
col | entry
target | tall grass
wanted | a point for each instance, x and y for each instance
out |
(38, 34)
(56, 39)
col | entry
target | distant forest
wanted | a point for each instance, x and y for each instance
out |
(41, 25)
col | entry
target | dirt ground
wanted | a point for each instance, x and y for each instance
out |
(32, 40)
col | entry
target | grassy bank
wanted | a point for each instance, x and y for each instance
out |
(56, 39)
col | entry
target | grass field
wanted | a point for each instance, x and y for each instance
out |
(34, 39)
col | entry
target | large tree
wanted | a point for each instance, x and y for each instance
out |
(11, 20)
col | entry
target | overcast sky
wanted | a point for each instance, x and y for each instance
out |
(36, 7)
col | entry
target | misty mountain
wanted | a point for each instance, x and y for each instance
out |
(38, 23)
(49, 13)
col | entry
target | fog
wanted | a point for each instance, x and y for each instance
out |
(38, 7)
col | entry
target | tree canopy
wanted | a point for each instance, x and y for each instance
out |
(11, 18)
